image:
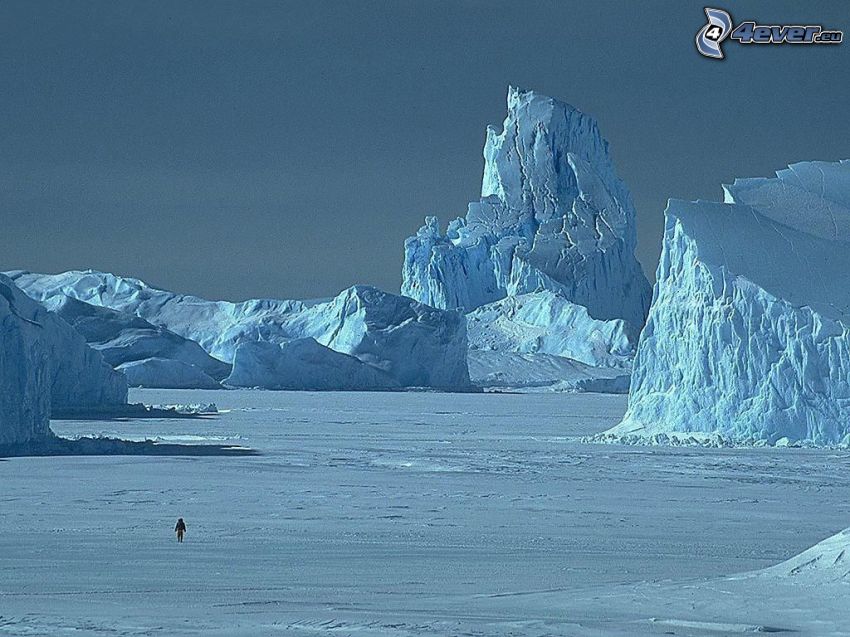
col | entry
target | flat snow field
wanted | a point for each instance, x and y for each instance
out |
(413, 514)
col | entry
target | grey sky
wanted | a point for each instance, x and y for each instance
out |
(283, 149)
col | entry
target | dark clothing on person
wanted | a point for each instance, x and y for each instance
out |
(181, 529)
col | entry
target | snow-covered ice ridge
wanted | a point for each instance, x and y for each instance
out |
(393, 341)
(46, 367)
(747, 337)
(148, 355)
(553, 215)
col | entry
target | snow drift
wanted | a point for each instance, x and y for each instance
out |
(747, 337)
(826, 561)
(412, 343)
(46, 367)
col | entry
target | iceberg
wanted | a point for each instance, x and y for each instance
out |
(303, 364)
(414, 344)
(166, 373)
(553, 216)
(748, 337)
(24, 370)
(546, 323)
(516, 371)
(149, 355)
(544, 262)
(46, 368)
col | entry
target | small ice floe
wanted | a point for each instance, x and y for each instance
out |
(194, 408)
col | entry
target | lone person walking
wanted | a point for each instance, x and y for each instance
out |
(181, 529)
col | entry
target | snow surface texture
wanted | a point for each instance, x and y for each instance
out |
(553, 215)
(46, 367)
(150, 356)
(303, 364)
(405, 514)
(747, 337)
(414, 344)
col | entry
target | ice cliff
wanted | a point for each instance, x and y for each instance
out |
(46, 367)
(747, 337)
(553, 215)
(24, 369)
(413, 344)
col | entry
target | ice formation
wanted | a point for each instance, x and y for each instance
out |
(150, 356)
(303, 364)
(546, 323)
(553, 215)
(416, 345)
(24, 370)
(497, 370)
(46, 367)
(166, 373)
(544, 263)
(747, 337)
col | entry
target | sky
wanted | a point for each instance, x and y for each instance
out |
(286, 149)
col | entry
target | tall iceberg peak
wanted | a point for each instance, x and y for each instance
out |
(553, 215)
(748, 336)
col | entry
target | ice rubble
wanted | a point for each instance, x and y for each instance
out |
(414, 344)
(150, 356)
(747, 338)
(553, 215)
(46, 367)
(303, 364)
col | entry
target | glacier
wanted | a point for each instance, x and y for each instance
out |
(149, 355)
(553, 215)
(748, 335)
(46, 368)
(412, 343)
